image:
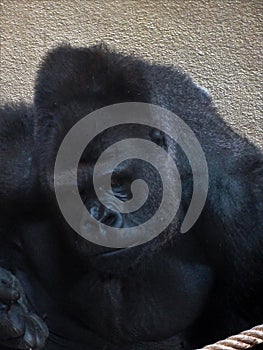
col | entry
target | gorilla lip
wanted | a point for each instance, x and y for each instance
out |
(114, 252)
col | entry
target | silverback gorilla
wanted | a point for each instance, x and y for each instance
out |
(177, 291)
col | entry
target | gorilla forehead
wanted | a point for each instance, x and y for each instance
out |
(112, 135)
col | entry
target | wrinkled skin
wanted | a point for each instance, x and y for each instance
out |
(59, 291)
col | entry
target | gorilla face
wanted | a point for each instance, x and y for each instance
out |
(122, 177)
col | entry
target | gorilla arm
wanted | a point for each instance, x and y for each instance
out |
(20, 328)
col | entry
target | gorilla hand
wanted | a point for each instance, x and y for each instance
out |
(19, 327)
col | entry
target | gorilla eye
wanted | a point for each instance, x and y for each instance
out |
(116, 182)
(158, 137)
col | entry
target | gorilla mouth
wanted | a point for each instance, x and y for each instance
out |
(115, 260)
(115, 252)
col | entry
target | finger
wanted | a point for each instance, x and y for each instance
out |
(36, 333)
(22, 331)
(8, 287)
(8, 295)
(12, 323)
(40, 330)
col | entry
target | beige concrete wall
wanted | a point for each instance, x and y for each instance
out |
(217, 41)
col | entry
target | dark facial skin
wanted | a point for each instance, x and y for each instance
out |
(177, 291)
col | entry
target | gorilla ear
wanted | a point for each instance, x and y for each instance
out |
(158, 137)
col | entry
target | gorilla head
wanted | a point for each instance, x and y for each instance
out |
(72, 83)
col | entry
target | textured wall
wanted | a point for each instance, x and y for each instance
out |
(217, 41)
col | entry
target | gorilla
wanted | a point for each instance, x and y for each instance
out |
(176, 291)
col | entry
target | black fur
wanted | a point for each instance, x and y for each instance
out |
(174, 292)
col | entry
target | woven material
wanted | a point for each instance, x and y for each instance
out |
(244, 340)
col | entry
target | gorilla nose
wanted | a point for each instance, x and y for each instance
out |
(107, 216)
(113, 219)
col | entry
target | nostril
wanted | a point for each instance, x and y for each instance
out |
(109, 219)
(106, 216)
(112, 219)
